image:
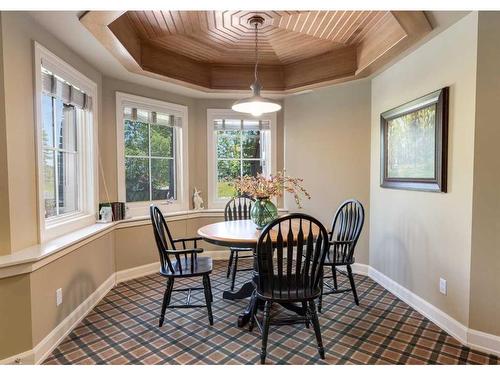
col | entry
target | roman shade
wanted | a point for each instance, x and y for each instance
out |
(228, 124)
(151, 117)
(57, 87)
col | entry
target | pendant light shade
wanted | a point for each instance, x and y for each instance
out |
(256, 104)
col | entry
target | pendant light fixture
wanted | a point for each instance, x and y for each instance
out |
(256, 104)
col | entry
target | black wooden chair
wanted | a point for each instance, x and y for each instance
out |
(289, 260)
(238, 208)
(177, 263)
(346, 228)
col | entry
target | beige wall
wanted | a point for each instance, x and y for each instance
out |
(78, 273)
(4, 186)
(485, 264)
(28, 311)
(19, 31)
(417, 237)
(327, 143)
(15, 315)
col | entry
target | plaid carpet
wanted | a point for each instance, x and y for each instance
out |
(123, 329)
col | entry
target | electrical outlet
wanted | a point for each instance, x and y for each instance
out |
(59, 297)
(442, 286)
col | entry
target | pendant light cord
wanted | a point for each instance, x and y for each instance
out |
(256, 50)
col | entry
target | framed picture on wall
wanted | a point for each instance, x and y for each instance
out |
(414, 144)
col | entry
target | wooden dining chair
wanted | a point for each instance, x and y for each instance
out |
(346, 229)
(238, 208)
(180, 263)
(289, 258)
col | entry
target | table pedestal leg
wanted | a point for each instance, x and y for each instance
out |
(245, 291)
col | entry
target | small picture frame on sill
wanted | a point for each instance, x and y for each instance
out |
(414, 144)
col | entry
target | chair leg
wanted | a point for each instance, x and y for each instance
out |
(208, 298)
(317, 329)
(320, 298)
(235, 269)
(353, 287)
(166, 299)
(265, 331)
(229, 264)
(334, 276)
(253, 311)
(304, 308)
(210, 288)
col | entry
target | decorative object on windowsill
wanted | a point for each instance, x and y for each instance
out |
(117, 210)
(263, 189)
(256, 104)
(198, 200)
(414, 144)
(105, 214)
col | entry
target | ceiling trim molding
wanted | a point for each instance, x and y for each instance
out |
(384, 38)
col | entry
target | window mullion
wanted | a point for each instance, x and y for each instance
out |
(241, 148)
(149, 161)
(175, 134)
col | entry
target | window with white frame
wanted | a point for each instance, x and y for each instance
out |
(152, 153)
(66, 127)
(238, 145)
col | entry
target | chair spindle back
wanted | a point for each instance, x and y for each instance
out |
(346, 229)
(238, 208)
(164, 242)
(290, 254)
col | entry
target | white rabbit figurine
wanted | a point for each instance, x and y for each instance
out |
(197, 200)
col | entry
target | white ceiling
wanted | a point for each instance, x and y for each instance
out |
(66, 26)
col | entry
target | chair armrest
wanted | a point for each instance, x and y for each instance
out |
(184, 251)
(188, 239)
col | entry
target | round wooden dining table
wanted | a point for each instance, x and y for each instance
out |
(243, 234)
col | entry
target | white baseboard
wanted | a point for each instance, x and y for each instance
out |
(63, 329)
(484, 342)
(218, 254)
(151, 268)
(431, 312)
(360, 269)
(136, 272)
(478, 340)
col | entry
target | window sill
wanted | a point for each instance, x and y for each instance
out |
(71, 224)
(34, 257)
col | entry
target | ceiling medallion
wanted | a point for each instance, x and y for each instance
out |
(256, 104)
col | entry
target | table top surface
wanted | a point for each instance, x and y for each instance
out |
(237, 233)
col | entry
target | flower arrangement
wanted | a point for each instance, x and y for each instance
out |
(262, 187)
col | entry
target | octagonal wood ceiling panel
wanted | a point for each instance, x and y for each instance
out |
(215, 50)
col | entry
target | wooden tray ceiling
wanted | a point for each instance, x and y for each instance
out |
(214, 50)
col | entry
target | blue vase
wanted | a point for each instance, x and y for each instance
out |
(263, 212)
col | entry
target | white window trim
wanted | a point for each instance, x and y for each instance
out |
(136, 209)
(49, 229)
(212, 114)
